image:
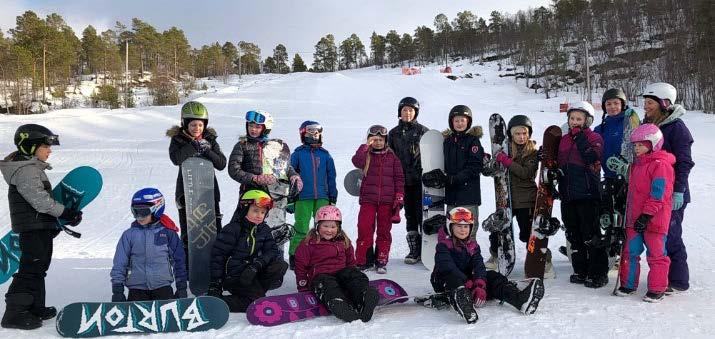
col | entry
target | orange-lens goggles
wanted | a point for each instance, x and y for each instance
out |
(260, 202)
(461, 217)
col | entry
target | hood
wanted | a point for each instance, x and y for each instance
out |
(678, 113)
(209, 132)
(474, 131)
(8, 167)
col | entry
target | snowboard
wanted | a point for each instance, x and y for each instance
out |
(500, 221)
(543, 225)
(352, 182)
(96, 319)
(283, 309)
(76, 190)
(198, 175)
(432, 157)
(276, 161)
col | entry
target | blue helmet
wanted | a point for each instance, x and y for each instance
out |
(148, 201)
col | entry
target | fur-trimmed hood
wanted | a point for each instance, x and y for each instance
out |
(475, 131)
(176, 130)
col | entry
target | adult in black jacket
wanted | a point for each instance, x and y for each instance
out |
(404, 140)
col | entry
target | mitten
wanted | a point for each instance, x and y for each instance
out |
(118, 293)
(677, 200)
(297, 181)
(504, 159)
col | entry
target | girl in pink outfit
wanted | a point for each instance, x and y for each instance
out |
(650, 188)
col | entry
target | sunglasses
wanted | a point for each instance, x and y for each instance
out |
(142, 211)
(260, 202)
(253, 116)
(461, 217)
(377, 130)
(312, 129)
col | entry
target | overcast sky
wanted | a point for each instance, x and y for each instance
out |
(296, 24)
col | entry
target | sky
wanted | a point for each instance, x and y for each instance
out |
(298, 25)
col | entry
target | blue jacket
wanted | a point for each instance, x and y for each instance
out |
(317, 170)
(678, 141)
(462, 259)
(611, 130)
(149, 257)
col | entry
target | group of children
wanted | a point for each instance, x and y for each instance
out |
(247, 263)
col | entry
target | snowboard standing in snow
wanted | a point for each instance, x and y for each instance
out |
(198, 175)
(543, 225)
(282, 309)
(76, 190)
(352, 182)
(500, 221)
(276, 160)
(433, 205)
(92, 319)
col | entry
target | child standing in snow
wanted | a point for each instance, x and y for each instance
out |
(650, 187)
(460, 278)
(381, 192)
(149, 255)
(245, 259)
(317, 171)
(325, 264)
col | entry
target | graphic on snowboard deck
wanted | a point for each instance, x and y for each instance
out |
(501, 220)
(432, 157)
(542, 225)
(276, 161)
(282, 309)
(198, 175)
(352, 182)
(76, 190)
(93, 319)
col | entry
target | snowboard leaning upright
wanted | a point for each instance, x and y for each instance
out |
(198, 175)
(432, 157)
(276, 161)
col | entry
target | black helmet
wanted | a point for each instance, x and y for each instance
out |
(614, 93)
(408, 101)
(460, 110)
(29, 137)
(519, 120)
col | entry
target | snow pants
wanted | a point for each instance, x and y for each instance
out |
(679, 274)
(658, 261)
(373, 218)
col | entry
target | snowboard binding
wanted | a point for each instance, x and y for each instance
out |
(497, 221)
(432, 225)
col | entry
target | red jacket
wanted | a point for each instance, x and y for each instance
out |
(385, 177)
(650, 190)
(314, 257)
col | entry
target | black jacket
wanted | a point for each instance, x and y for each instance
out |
(404, 140)
(463, 155)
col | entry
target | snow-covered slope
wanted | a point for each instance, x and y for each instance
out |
(131, 151)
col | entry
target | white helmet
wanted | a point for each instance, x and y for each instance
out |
(661, 90)
(583, 106)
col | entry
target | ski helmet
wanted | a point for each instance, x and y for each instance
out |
(262, 118)
(459, 216)
(519, 120)
(194, 110)
(650, 133)
(614, 93)
(584, 107)
(460, 110)
(258, 198)
(327, 213)
(148, 201)
(377, 130)
(30, 136)
(311, 128)
(661, 91)
(408, 101)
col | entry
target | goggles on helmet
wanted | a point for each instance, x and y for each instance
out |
(253, 116)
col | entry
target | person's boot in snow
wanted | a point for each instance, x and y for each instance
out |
(17, 312)
(342, 309)
(46, 313)
(462, 303)
(527, 300)
(491, 263)
(368, 303)
(653, 297)
(414, 241)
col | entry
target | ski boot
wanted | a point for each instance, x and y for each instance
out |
(462, 303)
(653, 297)
(17, 312)
(414, 241)
(368, 304)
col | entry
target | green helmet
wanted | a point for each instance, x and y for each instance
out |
(258, 198)
(194, 110)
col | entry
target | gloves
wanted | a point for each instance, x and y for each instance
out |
(297, 181)
(202, 146)
(677, 200)
(215, 288)
(504, 159)
(399, 201)
(264, 179)
(434, 179)
(618, 165)
(249, 273)
(642, 223)
(180, 294)
(72, 216)
(118, 293)
(479, 292)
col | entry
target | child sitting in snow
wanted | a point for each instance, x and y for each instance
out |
(325, 264)
(149, 254)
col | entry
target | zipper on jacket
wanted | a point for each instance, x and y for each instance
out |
(315, 175)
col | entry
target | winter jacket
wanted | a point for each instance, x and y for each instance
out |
(246, 161)
(611, 131)
(317, 170)
(463, 259)
(149, 257)
(579, 160)
(239, 244)
(678, 141)
(29, 194)
(384, 178)
(522, 173)
(314, 257)
(650, 190)
(181, 149)
(404, 140)
(463, 155)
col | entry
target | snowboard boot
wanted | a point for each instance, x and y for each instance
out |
(527, 300)
(437, 300)
(17, 312)
(236, 303)
(414, 241)
(343, 310)
(491, 263)
(368, 304)
(462, 303)
(653, 297)
(47, 313)
(381, 268)
(674, 290)
(596, 282)
(624, 291)
(577, 278)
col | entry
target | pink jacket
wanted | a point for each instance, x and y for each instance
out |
(385, 177)
(650, 190)
(320, 257)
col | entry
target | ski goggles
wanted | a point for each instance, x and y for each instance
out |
(253, 116)
(263, 202)
(377, 130)
(143, 211)
(461, 217)
(51, 140)
(312, 129)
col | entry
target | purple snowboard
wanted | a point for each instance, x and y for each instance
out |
(281, 309)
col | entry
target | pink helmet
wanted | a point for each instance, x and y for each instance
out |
(328, 212)
(648, 132)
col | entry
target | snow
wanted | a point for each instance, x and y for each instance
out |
(129, 148)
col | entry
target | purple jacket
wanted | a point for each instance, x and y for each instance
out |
(580, 160)
(677, 140)
(314, 257)
(384, 178)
